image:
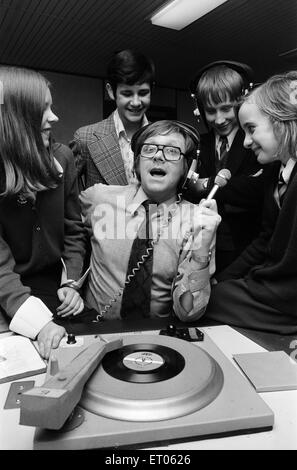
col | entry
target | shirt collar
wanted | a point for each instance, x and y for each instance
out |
(230, 137)
(119, 126)
(137, 201)
(58, 166)
(141, 196)
(287, 169)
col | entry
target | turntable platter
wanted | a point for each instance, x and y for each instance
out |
(153, 378)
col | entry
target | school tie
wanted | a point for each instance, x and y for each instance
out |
(281, 188)
(136, 297)
(222, 153)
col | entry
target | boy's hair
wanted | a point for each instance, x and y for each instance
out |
(25, 164)
(277, 98)
(219, 84)
(130, 67)
(166, 127)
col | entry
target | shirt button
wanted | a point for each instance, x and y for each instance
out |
(38, 229)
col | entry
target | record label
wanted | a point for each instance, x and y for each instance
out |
(143, 360)
(143, 363)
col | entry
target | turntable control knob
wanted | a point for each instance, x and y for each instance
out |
(71, 339)
(171, 330)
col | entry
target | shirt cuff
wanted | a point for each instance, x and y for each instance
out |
(30, 318)
(196, 280)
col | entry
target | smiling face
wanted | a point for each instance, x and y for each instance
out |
(259, 134)
(160, 178)
(132, 101)
(48, 119)
(221, 117)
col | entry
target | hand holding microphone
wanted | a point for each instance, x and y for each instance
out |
(209, 218)
(195, 185)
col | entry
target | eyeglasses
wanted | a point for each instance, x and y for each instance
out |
(171, 154)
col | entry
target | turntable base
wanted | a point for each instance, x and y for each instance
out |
(207, 397)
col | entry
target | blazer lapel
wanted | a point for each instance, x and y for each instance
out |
(236, 154)
(106, 154)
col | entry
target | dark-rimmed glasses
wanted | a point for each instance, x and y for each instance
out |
(170, 153)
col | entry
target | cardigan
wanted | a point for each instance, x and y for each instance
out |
(34, 236)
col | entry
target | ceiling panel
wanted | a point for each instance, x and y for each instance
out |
(79, 36)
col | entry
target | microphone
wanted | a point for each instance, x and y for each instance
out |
(221, 180)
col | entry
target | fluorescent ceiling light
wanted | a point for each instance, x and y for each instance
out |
(180, 13)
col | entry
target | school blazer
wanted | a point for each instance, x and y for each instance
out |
(97, 154)
(240, 202)
(269, 264)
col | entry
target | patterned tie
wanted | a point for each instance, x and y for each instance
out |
(222, 153)
(281, 188)
(137, 293)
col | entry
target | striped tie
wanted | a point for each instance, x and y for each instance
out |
(137, 292)
(222, 153)
(281, 188)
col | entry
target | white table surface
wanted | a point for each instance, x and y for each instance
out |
(14, 436)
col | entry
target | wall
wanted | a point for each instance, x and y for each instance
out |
(79, 101)
(76, 100)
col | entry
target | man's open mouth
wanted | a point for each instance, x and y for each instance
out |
(157, 172)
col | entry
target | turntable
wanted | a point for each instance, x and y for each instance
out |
(155, 389)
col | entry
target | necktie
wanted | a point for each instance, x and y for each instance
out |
(137, 293)
(281, 188)
(222, 153)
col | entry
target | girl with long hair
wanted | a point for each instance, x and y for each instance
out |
(42, 241)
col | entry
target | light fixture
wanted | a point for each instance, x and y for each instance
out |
(180, 13)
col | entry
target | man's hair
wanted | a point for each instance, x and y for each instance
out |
(130, 67)
(166, 127)
(277, 99)
(219, 84)
(25, 164)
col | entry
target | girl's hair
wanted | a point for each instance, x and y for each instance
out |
(26, 166)
(219, 84)
(166, 127)
(277, 98)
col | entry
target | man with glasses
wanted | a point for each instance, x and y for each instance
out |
(173, 239)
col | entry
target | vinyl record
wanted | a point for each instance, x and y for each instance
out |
(143, 363)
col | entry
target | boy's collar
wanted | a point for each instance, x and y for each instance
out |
(119, 126)
(230, 137)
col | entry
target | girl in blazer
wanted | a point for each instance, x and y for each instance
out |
(258, 290)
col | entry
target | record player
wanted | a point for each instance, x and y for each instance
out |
(158, 389)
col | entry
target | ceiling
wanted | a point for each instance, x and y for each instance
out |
(79, 36)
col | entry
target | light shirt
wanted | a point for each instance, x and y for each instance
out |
(285, 171)
(125, 146)
(113, 215)
(230, 139)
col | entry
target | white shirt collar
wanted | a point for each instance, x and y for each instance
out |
(141, 196)
(119, 126)
(58, 166)
(287, 169)
(230, 138)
